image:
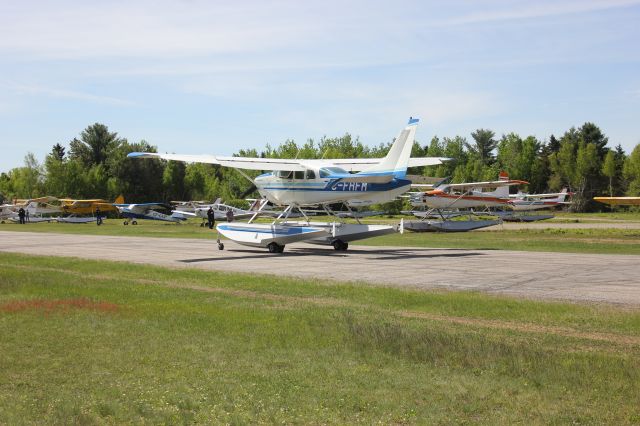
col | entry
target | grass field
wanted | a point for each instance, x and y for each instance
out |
(90, 342)
(600, 240)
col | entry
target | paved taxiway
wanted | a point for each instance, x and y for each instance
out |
(579, 277)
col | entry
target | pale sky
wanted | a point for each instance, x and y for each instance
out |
(207, 77)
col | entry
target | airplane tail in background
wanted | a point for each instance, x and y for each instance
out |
(119, 199)
(397, 160)
(501, 191)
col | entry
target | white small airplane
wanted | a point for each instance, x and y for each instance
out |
(36, 209)
(148, 211)
(220, 211)
(8, 211)
(528, 202)
(296, 183)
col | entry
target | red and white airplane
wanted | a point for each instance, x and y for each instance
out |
(521, 202)
(467, 195)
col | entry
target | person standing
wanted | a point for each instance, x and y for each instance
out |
(26, 215)
(98, 216)
(229, 215)
(211, 217)
(21, 214)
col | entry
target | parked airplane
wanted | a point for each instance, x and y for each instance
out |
(36, 208)
(148, 211)
(297, 183)
(466, 195)
(8, 211)
(528, 202)
(80, 207)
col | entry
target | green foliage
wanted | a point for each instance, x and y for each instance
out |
(609, 169)
(632, 172)
(95, 165)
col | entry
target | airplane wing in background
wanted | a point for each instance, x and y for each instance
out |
(491, 184)
(144, 207)
(619, 201)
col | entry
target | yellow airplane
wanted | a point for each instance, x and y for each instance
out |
(80, 207)
(619, 201)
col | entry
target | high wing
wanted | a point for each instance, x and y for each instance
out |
(552, 195)
(293, 165)
(490, 184)
(143, 207)
(247, 163)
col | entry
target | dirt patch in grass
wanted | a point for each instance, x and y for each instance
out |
(60, 305)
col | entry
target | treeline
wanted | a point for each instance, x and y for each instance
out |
(95, 166)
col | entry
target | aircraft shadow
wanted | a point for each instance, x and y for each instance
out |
(384, 254)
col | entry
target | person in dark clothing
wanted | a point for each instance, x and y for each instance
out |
(98, 216)
(229, 215)
(21, 215)
(211, 218)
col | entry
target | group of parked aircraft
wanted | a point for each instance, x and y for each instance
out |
(297, 185)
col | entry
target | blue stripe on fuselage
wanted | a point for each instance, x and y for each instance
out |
(334, 186)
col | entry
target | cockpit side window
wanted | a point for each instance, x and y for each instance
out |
(284, 174)
(324, 173)
(310, 174)
(298, 175)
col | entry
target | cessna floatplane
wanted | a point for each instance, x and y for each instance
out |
(522, 202)
(298, 183)
(446, 199)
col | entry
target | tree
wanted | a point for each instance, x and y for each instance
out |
(173, 180)
(484, 145)
(95, 145)
(591, 133)
(58, 152)
(587, 168)
(632, 172)
(609, 168)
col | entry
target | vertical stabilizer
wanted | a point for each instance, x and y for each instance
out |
(397, 160)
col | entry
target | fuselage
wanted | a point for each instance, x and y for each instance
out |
(313, 187)
(149, 214)
(438, 199)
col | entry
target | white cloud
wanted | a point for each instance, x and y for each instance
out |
(539, 10)
(31, 90)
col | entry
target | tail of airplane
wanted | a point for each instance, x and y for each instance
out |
(119, 199)
(502, 191)
(397, 160)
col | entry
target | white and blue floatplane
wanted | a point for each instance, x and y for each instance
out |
(299, 183)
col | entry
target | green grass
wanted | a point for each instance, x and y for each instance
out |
(188, 346)
(599, 240)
